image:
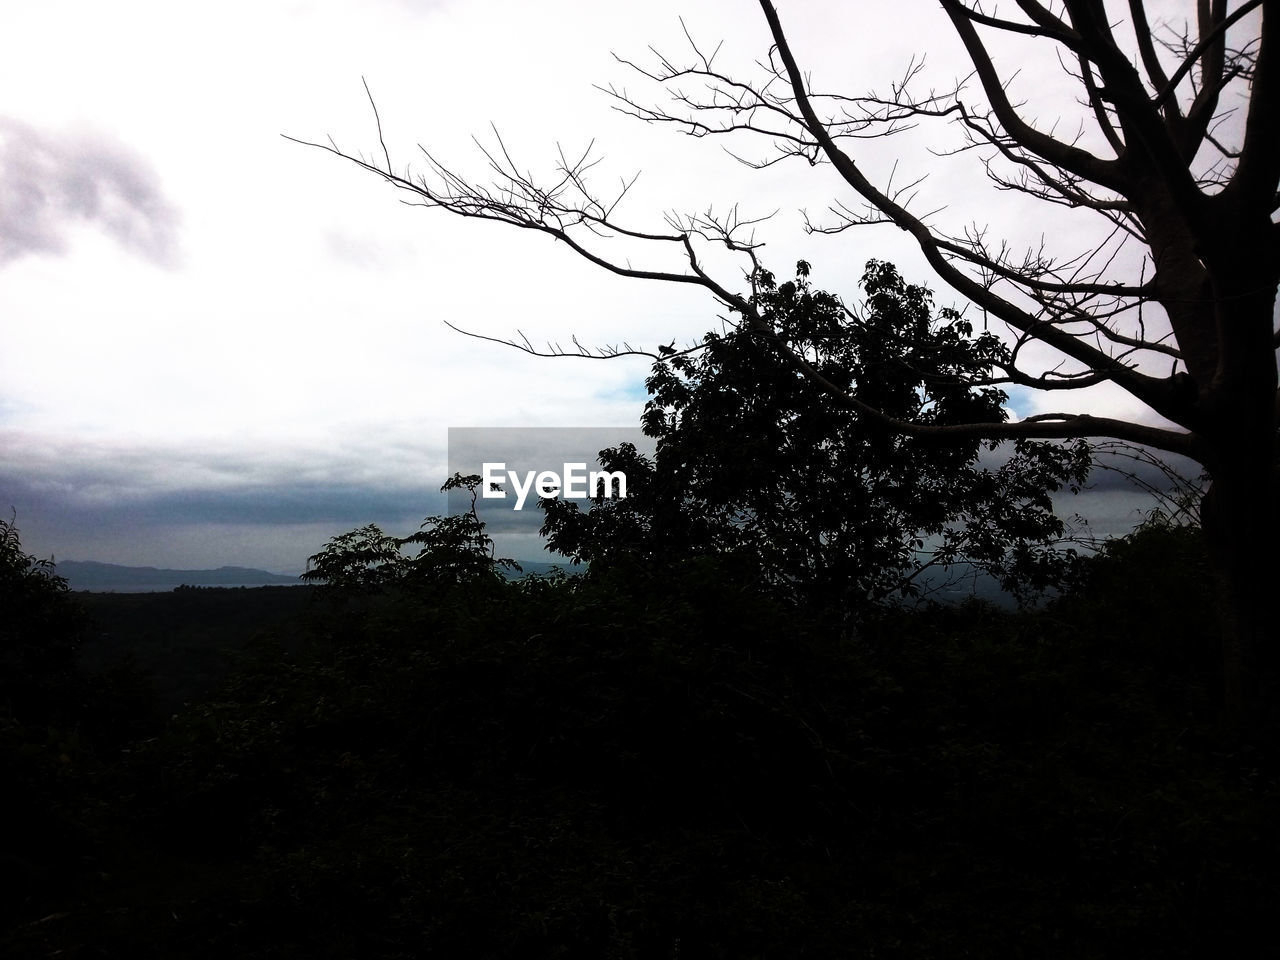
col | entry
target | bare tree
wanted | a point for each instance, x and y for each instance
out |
(1172, 300)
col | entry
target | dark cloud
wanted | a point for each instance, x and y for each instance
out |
(1117, 467)
(1114, 469)
(110, 508)
(273, 527)
(50, 181)
(336, 504)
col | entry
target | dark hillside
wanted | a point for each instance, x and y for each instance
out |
(183, 641)
(671, 763)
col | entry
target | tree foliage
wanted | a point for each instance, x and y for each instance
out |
(755, 460)
(452, 549)
(40, 630)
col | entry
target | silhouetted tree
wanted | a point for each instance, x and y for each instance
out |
(40, 631)
(1171, 299)
(452, 550)
(756, 461)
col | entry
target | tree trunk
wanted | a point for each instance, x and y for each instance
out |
(1240, 526)
(1240, 515)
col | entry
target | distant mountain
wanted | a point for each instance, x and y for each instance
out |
(90, 575)
(953, 586)
(116, 578)
(961, 582)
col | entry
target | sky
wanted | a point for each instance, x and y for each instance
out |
(218, 346)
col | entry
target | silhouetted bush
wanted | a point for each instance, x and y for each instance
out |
(40, 632)
(58, 727)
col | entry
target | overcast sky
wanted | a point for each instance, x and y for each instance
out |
(220, 347)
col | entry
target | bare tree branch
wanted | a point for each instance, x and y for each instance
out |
(1199, 217)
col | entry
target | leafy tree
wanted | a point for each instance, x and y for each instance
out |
(453, 549)
(40, 631)
(44, 702)
(755, 460)
(1170, 299)
(359, 560)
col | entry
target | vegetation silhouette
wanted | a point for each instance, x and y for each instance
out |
(452, 550)
(633, 766)
(40, 631)
(53, 716)
(755, 460)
